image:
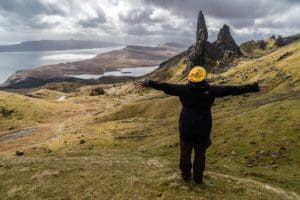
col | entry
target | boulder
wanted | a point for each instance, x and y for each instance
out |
(82, 142)
(97, 91)
(6, 112)
(19, 153)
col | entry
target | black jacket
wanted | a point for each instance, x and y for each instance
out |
(195, 121)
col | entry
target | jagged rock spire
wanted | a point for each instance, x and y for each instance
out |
(223, 51)
(226, 42)
(224, 34)
(202, 33)
(196, 56)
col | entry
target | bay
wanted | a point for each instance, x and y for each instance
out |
(130, 71)
(10, 62)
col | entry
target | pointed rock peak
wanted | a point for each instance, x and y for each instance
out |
(224, 34)
(202, 33)
(226, 42)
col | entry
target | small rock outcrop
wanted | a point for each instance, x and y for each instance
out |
(19, 153)
(82, 142)
(6, 112)
(279, 41)
(97, 91)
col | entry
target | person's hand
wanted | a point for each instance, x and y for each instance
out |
(263, 88)
(140, 84)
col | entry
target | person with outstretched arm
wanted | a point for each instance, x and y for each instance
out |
(195, 121)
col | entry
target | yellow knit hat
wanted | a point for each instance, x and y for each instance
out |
(197, 74)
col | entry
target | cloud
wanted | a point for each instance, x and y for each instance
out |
(145, 21)
(137, 15)
(29, 8)
(93, 22)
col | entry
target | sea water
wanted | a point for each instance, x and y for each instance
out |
(10, 62)
(131, 71)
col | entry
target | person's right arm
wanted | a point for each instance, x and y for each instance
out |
(222, 91)
(168, 88)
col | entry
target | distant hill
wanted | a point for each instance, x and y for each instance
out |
(174, 45)
(52, 45)
(130, 56)
(258, 48)
(290, 39)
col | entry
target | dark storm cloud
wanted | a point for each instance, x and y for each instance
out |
(29, 8)
(245, 17)
(21, 15)
(235, 12)
(220, 8)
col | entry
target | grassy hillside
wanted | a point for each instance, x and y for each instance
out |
(124, 144)
(259, 48)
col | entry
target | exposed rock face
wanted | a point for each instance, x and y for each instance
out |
(196, 56)
(279, 41)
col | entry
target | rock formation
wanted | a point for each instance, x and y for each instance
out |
(202, 33)
(219, 53)
(197, 54)
(225, 42)
(97, 91)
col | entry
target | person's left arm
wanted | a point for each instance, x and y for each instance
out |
(222, 91)
(168, 88)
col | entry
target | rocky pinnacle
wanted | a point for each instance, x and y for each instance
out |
(202, 33)
(196, 56)
(223, 51)
(226, 42)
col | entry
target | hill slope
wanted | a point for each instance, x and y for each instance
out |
(124, 144)
(52, 45)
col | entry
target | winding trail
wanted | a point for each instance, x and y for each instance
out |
(18, 134)
(254, 184)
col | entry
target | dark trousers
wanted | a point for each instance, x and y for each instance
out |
(198, 165)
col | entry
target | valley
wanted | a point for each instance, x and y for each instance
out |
(124, 144)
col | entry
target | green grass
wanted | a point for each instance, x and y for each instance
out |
(111, 175)
(131, 140)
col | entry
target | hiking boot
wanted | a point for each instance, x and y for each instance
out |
(186, 176)
(198, 178)
(186, 179)
(197, 181)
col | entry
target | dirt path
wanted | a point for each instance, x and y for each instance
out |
(18, 134)
(253, 184)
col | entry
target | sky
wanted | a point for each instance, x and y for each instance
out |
(144, 21)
